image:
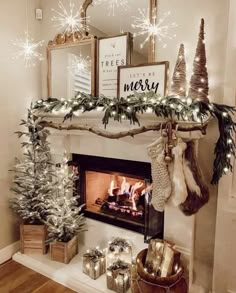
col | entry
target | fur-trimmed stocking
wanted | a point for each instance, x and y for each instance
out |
(194, 202)
(179, 188)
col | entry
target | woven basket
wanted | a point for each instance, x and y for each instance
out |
(148, 283)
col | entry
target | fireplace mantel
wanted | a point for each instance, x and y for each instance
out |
(94, 119)
(177, 228)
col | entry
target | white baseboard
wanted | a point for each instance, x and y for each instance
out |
(7, 252)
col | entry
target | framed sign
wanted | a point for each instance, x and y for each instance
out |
(112, 52)
(143, 78)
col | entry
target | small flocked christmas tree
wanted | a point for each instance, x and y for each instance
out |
(32, 179)
(64, 219)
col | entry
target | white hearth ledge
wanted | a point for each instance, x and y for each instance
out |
(69, 275)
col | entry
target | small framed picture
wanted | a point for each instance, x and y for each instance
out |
(143, 78)
(112, 52)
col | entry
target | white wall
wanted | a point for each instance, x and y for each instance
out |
(18, 85)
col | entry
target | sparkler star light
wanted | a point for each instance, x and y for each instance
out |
(80, 64)
(70, 20)
(29, 50)
(153, 28)
(113, 4)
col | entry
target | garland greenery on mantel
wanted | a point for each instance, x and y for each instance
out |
(175, 108)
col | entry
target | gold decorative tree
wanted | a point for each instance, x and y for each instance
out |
(178, 85)
(199, 80)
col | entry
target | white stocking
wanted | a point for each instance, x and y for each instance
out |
(179, 193)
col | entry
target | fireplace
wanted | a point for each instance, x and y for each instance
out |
(118, 192)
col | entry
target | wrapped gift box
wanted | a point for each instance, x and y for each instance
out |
(94, 263)
(119, 277)
(119, 249)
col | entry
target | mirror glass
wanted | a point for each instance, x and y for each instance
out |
(71, 70)
(110, 18)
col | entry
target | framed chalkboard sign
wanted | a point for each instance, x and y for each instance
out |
(143, 78)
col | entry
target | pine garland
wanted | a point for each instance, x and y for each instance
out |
(171, 107)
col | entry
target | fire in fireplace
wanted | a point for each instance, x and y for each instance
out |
(118, 192)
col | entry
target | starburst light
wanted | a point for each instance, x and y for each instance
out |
(29, 50)
(112, 5)
(153, 28)
(70, 20)
(80, 64)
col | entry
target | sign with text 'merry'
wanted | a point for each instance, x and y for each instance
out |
(143, 78)
(113, 52)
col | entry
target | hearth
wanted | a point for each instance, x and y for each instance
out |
(118, 192)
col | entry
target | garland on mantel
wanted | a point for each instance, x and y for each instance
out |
(175, 108)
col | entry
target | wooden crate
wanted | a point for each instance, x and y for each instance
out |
(32, 239)
(64, 252)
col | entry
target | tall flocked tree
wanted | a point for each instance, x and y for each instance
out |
(64, 219)
(32, 175)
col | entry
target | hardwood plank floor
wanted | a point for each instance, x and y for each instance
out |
(15, 278)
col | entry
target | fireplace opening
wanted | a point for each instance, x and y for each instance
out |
(118, 192)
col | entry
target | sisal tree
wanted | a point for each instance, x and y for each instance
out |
(178, 84)
(32, 175)
(64, 217)
(199, 87)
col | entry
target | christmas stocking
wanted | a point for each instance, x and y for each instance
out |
(179, 191)
(195, 200)
(161, 186)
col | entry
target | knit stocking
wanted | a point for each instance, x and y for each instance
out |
(161, 186)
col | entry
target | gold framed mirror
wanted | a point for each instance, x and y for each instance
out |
(72, 57)
(71, 68)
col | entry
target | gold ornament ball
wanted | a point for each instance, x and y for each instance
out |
(60, 39)
(168, 159)
(164, 134)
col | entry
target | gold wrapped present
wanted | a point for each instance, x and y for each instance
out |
(119, 249)
(119, 277)
(94, 264)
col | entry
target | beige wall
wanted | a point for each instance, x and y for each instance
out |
(18, 86)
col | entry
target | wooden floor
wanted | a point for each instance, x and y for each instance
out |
(16, 278)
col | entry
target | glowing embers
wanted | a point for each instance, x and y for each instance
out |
(116, 195)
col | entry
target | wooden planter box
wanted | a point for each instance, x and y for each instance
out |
(32, 239)
(64, 252)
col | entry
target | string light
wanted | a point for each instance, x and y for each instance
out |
(70, 21)
(152, 27)
(112, 5)
(29, 50)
